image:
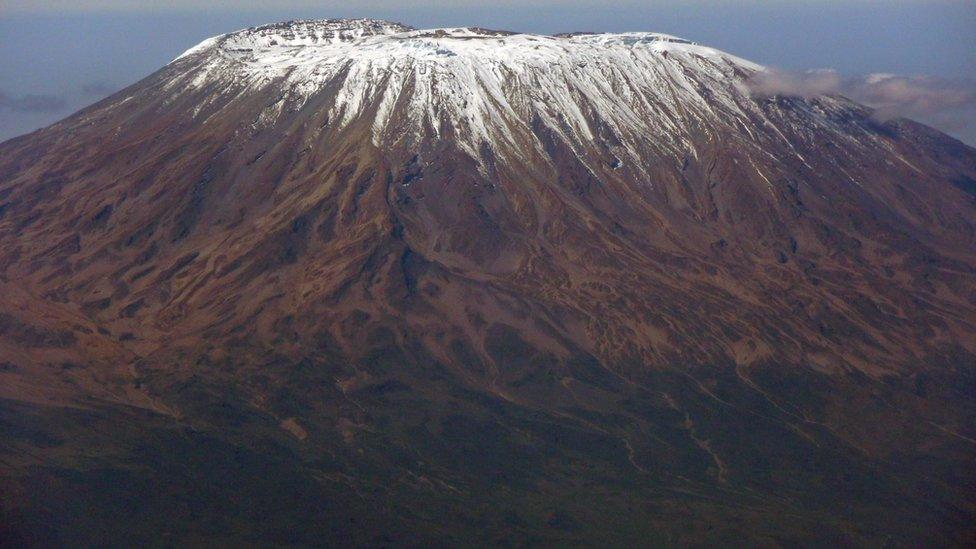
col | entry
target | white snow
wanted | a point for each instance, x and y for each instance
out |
(647, 89)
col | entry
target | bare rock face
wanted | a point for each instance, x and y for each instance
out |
(353, 281)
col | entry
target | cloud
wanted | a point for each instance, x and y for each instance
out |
(948, 104)
(32, 103)
(914, 96)
(798, 84)
(99, 89)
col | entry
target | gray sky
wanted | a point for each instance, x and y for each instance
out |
(57, 56)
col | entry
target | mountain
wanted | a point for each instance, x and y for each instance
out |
(351, 282)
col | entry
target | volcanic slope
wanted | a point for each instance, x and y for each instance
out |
(347, 280)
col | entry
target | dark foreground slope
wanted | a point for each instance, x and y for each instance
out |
(220, 327)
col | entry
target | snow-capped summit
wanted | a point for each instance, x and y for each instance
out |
(487, 86)
(265, 39)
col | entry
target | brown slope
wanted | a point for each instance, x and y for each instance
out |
(777, 334)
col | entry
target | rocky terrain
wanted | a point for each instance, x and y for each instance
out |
(352, 282)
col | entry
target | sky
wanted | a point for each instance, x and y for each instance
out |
(57, 56)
